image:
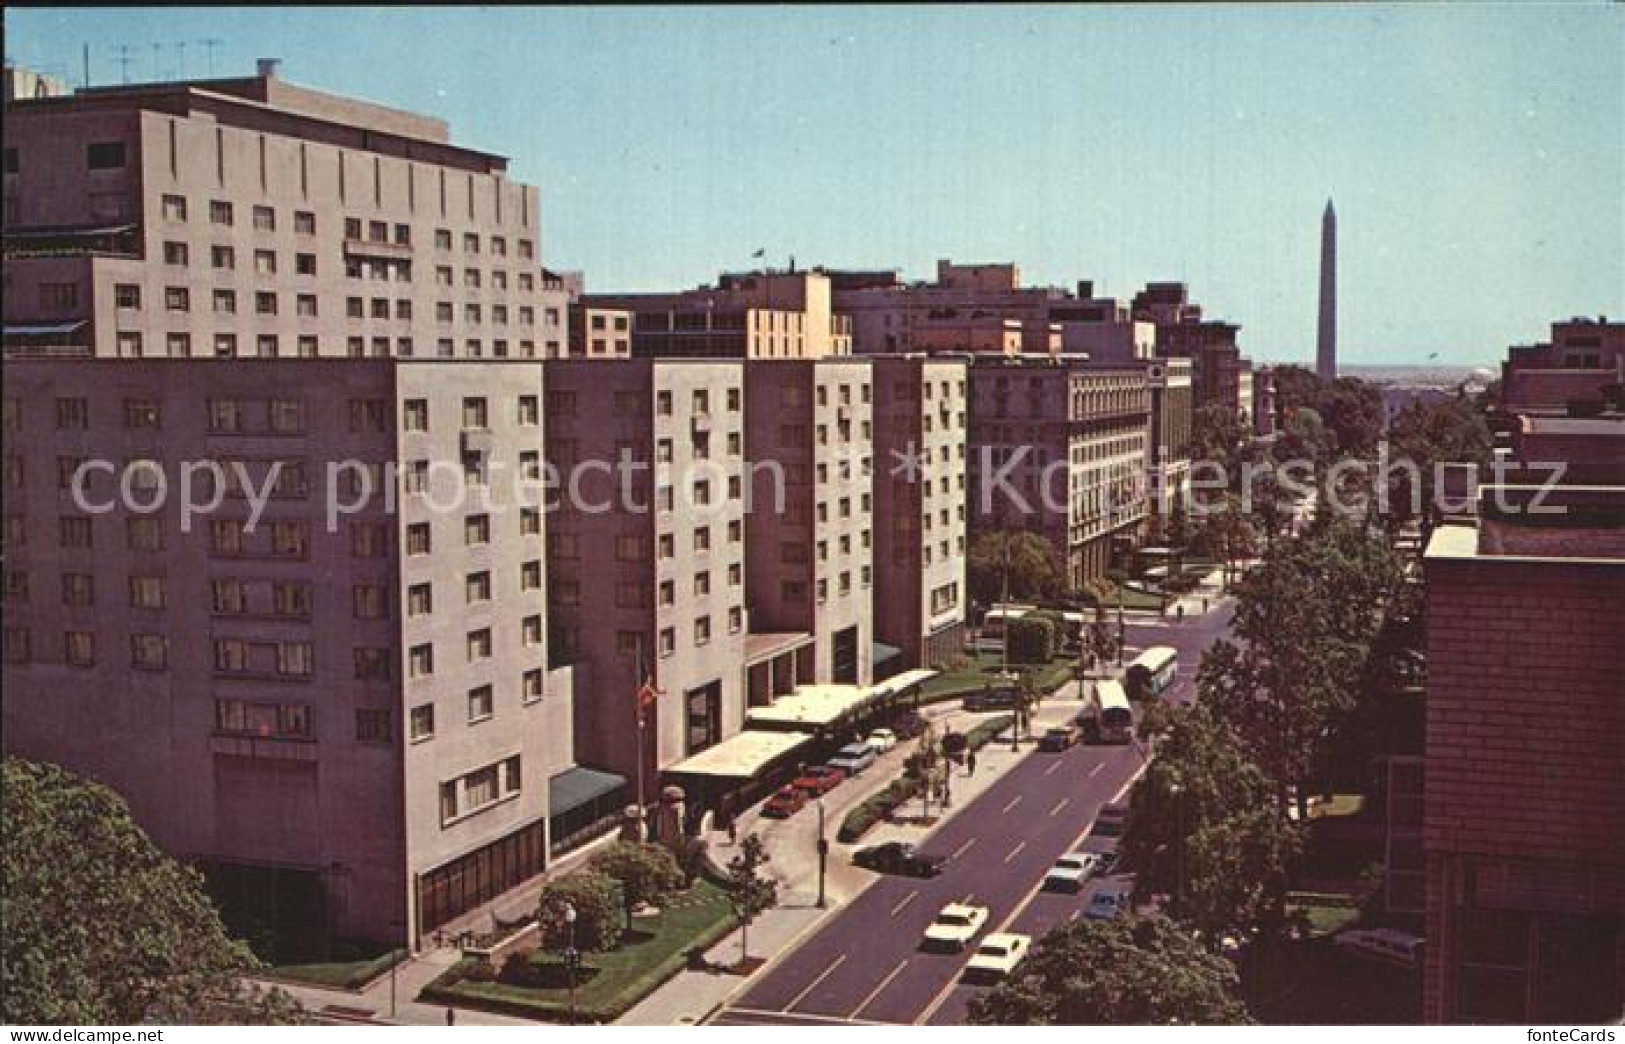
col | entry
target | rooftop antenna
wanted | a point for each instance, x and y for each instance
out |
(208, 46)
(124, 52)
(87, 66)
(157, 52)
(180, 60)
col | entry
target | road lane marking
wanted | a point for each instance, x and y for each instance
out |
(1013, 803)
(962, 849)
(1096, 770)
(909, 898)
(826, 973)
(887, 981)
(835, 1020)
(1058, 806)
(1015, 851)
(1052, 769)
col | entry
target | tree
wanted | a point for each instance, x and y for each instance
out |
(749, 890)
(646, 873)
(101, 927)
(1205, 831)
(596, 900)
(1131, 971)
(1424, 437)
(1031, 563)
(1216, 432)
(1227, 533)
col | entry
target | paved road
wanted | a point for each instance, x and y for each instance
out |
(864, 965)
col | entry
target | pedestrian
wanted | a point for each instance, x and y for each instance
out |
(1179, 613)
(970, 762)
(1204, 605)
(451, 1016)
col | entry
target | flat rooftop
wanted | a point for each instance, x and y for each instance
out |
(1533, 522)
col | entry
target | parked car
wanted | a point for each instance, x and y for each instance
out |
(818, 780)
(899, 857)
(955, 927)
(882, 740)
(785, 802)
(853, 758)
(1106, 904)
(1111, 821)
(1059, 738)
(998, 956)
(1071, 872)
(1388, 944)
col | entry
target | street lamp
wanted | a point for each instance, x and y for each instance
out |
(572, 958)
(823, 852)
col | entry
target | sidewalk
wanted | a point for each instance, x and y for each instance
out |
(374, 1003)
(691, 996)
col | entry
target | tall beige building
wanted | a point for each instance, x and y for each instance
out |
(356, 719)
(752, 315)
(339, 691)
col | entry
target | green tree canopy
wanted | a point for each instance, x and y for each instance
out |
(1031, 562)
(751, 892)
(101, 927)
(1132, 971)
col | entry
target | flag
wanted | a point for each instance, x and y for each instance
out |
(647, 694)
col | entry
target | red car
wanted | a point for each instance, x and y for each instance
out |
(785, 803)
(820, 779)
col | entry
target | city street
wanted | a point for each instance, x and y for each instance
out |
(865, 965)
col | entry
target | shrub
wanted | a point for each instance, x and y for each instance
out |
(983, 734)
(875, 808)
(692, 856)
(646, 873)
(1032, 639)
(597, 902)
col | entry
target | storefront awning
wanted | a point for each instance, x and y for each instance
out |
(742, 756)
(573, 788)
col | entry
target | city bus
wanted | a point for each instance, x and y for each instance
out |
(989, 638)
(1111, 717)
(1152, 672)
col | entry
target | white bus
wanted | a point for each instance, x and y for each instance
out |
(1113, 717)
(1152, 672)
(989, 638)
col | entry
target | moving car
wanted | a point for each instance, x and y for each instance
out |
(899, 857)
(1111, 821)
(998, 955)
(853, 758)
(1059, 738)
(1106, 905)
(818, 780)
(1071, 872)
(785, 802)
(882, 740)
(955, 927)
(1389, 944)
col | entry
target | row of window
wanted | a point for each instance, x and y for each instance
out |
(480, 705)
(356, 230)
(479, 790)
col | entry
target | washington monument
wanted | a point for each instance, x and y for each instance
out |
(1326, 341)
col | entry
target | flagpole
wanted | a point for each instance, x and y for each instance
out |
(642, 806)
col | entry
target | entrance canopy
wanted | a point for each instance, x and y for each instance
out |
(742, 756)
(903, 682)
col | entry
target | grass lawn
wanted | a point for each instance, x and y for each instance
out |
(654, 951)
(344, 975)
(1339, 805)
(1327, 914)
(985, 667)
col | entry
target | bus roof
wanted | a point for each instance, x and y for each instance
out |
(1155, 658)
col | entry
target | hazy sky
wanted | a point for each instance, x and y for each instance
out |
(1476, 153)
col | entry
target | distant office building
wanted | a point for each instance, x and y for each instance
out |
(921, 420)
(1168, 448)
(1060, 450)
(22, 84)
(1182, 332)
(1580, 371)
(1326, 329)
(600, 333)
(753, 315)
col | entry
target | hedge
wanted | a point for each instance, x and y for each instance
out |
(877, 806)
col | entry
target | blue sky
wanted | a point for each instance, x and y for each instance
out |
(1476, 153)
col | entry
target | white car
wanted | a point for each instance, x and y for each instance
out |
(998, 955)
(853, 758)
(955, 927)
(1071, 872)
(1388, 944)
(882, 740)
